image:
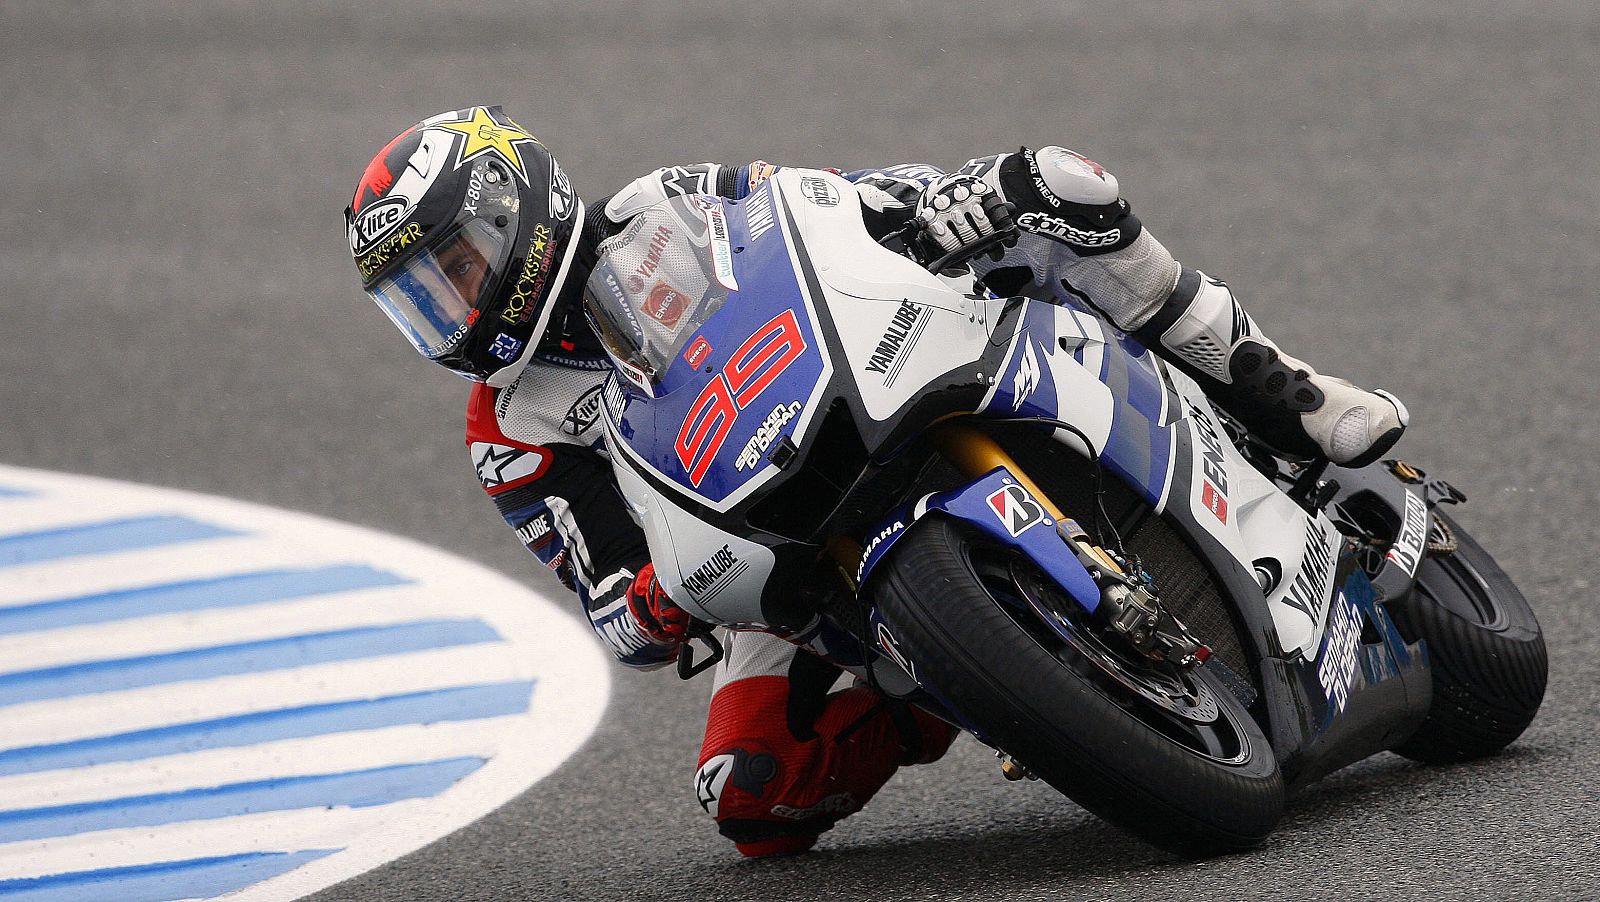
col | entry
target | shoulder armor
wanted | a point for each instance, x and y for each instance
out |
(648, 190)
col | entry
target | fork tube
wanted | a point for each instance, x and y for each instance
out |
(975, 454)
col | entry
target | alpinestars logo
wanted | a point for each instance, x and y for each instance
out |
(709, 781)
(710, 578)
(1017, 511)
(1065, 232)
(1027, 378)
(501, 468)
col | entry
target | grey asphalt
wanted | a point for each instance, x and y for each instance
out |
(1407, 193)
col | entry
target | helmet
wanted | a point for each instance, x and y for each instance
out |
(464, 229)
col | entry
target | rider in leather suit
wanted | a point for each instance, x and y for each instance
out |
(469, 235)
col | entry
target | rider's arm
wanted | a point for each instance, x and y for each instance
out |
(562, 501)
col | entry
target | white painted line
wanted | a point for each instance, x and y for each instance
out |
(512, 635)
(219, 626)
(108, 713)
(293, 757)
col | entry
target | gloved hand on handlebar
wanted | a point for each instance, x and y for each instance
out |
(661, 620)
(960, 211)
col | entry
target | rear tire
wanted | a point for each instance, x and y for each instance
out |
(1486, 651)
(1169, 755)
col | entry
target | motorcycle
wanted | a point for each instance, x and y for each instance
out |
(1011, 514)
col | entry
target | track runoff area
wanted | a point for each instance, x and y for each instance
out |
(202, 697)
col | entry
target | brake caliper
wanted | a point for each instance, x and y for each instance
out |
(1129, 605)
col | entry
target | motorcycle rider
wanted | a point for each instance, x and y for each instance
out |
(468, 234)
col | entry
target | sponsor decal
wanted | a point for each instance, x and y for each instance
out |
(879, 539)
(766, 434)
(697, 352)
(1337, 667)
(652, 258)
(905, 328)
(842, 803)
(501, 468)
(562, 198)
(450, 341)
(388, 249)
(1017, 511)
(750, 370)
(1310, 589)
(717, 573)
(665, 304)
(818, 191)
(1027, 378)
(505, 347)
(758, 216)
(1045, 194)
(1065, 232)
(377, 221)
(760, 171)
(1406, 552)
(1214, 479)
(583, 413)
(616, 400)
(721, 251)
(484, 136)
(890, 646)
(536, 533)
(709, 781)
(530, 285)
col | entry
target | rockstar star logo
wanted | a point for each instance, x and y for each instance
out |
(485, 135)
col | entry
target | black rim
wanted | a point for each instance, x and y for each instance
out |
(1472, 601)
(1174, 704)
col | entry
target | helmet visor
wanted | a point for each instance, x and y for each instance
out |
(432, 296)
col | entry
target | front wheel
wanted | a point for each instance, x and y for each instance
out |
(1169, 755)
(1485, 647)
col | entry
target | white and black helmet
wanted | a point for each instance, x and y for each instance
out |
(465, 231)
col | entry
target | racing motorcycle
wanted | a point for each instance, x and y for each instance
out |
(1011, 514)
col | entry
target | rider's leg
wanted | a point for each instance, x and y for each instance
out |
(1203, 329)
(784, 758)
(1081, 237)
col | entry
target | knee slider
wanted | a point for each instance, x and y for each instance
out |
(1074, 178)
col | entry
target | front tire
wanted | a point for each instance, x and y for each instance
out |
(1169, 755)
(1485, 647)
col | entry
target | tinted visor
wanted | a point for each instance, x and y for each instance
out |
(431, 296)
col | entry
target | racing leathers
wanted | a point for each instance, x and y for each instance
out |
(784, 756)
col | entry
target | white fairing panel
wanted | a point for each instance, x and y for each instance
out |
(714, 575)
(901, 326)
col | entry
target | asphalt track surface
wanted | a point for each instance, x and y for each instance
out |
(1406, 193)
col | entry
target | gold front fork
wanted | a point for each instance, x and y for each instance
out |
(975, 454)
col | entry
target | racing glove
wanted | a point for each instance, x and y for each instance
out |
(957, 211)
(662, 621)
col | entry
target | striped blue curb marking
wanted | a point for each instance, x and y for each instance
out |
(233, 590)
(356, 789)
(200, 878)
(465, 703)
(442, 691)
(104, 538)
(245, 657)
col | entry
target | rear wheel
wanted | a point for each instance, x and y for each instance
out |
(1167, 754)
(1484, 645)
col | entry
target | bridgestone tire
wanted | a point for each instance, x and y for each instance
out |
(1485, 648)
(1053, 708)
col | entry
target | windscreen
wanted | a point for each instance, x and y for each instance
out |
(657, 281)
